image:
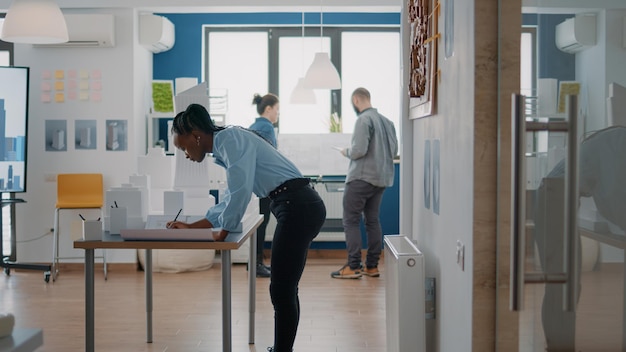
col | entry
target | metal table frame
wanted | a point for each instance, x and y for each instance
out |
(234, 241)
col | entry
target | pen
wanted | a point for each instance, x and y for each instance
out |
(81, 217)
(176, 217)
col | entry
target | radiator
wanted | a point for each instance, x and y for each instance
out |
(404, 295)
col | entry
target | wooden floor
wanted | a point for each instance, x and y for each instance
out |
(336, 315)
(599, 312)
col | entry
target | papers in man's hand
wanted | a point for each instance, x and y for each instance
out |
(337, 148)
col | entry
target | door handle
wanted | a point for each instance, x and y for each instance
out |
(571, 205)
(518, 202)
(518, 276)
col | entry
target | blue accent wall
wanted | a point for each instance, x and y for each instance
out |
(185, 58)
(551, 62)
(389, 216)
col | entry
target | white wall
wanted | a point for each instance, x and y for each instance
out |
(436, 235)
(126, 72)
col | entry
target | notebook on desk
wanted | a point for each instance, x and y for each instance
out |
(156, 230)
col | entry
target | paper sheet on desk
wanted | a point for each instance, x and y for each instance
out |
(167, 234)
(160, 221)
(156, 229)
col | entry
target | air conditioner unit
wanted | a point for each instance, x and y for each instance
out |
(156, 33)
(87, 30)
(576, 33)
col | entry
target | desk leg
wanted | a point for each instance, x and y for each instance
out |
(148, 273)
(252, 287)
(226, 302)
(624, 307)
(89, 301)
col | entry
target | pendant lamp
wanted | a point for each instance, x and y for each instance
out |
(302, 94)
(34, 22)
(322, 74)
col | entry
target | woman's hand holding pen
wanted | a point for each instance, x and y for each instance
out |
(177, 225)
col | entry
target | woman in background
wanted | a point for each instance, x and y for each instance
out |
(268, 108)
(254, 166)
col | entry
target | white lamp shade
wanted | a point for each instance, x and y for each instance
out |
(34, 22)
(302, 94)
(322, 74)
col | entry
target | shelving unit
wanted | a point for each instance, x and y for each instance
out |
(218, 105)
(153, 123)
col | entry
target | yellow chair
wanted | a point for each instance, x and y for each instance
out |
(77, 191)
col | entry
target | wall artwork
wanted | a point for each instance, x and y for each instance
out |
(427, 180)
(431, 175)
(85, 135)
(423, 22)
(436, 175)
(56, 136)
(61, 86)
(449, 28)
(116, 135)
(567, 88)
(163, 96)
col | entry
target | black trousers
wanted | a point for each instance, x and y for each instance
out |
(300, 214)
(264, 209)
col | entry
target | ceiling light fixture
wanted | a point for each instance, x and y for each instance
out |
(302, 94)
(322, 74)
(34, 22)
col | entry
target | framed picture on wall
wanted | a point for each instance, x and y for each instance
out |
(423, 15)
(567, 88)
(163, 96)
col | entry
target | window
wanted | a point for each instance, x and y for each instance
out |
(371, 60)
(528, 64)
(295, 56)
(238, 64)
(260, 60)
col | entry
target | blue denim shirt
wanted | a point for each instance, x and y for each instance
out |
(252, 166)
(265, 128)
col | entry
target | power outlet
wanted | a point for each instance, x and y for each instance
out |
(50, 177)
(460, 254)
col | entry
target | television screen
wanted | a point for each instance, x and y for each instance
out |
(13, 128)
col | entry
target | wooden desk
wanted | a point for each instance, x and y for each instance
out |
(233, 241)
(22, 340)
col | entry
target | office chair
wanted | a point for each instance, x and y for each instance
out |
(77, 191)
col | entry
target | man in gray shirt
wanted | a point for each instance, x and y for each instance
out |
(374, 146)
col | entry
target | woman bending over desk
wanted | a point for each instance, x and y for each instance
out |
(254, 166)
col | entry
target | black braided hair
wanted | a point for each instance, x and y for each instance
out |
(195, 117)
